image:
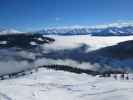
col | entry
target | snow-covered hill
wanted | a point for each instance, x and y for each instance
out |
(60, 85)
(115, 29)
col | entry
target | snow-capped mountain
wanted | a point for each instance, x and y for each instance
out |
(115, 29)
(9, 31)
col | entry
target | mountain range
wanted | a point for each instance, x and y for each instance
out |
(115, 29)
(9, 31)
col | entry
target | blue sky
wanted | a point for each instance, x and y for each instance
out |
(37, 14)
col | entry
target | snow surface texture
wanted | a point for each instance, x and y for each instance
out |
(59, 85)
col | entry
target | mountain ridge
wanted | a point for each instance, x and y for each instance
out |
(115, 29)
(9, 31)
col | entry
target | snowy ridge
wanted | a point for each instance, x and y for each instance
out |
(9, 31)
(114, 29)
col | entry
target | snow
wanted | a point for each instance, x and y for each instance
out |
(111, 31)
(33, 43)
(50, 85)
(9, 31)
(100, 26)
(3, 42)
(101, 30)
(40, 39)
(59, 85)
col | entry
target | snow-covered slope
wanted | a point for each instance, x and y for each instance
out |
(60, 85)
(115, 29)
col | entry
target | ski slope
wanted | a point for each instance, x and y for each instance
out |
(59, 85)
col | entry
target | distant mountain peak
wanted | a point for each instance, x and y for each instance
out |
(9, 31)
(116, 24)
(117, 29)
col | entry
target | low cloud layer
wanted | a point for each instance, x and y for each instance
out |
(13, 60)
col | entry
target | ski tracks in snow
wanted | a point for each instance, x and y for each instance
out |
(107, 92)
(4, 97)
